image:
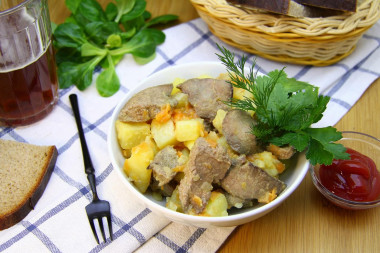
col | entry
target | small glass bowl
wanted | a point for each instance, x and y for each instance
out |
(363, 143)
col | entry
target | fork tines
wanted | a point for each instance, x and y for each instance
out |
(103, 210)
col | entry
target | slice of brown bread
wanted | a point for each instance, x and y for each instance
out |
(25, 170)
(343, 5)
(285, 7)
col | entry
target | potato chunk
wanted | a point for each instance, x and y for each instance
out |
(241, 94)
(131, 134)
(173, 202)
(136, 167)
(204, 76)
(218, 120)
(188, 130)
(189, 144)
(177, 82)
(182, 99)
(163, 133)
(217, 206)
(268, 162)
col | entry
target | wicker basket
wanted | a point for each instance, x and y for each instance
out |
(309, 41)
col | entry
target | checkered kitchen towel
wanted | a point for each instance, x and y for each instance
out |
(59, 222)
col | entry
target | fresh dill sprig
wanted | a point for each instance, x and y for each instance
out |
(236, 72)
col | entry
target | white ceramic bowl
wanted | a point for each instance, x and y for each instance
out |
(292, 177)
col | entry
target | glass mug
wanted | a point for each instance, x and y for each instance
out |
(28, 75)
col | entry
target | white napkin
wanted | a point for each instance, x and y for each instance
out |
(59, 222)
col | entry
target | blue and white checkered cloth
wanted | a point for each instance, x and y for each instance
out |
(59, 222)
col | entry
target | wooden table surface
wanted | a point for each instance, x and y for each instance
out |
(305, 222)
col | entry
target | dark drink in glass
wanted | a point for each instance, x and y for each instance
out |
(28, 76)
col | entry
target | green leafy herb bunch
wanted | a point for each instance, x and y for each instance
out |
(284, 110)
(93, 37)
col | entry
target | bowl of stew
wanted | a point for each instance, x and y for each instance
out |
(354, 183)
(124, 162)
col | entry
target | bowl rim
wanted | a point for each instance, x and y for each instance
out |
(326, 192)
(363, 134)
(262, 209)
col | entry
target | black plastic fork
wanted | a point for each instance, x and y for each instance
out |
(97, 209)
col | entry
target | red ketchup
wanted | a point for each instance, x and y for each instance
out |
(356, 179)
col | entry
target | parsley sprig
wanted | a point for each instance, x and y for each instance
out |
(285, 109)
